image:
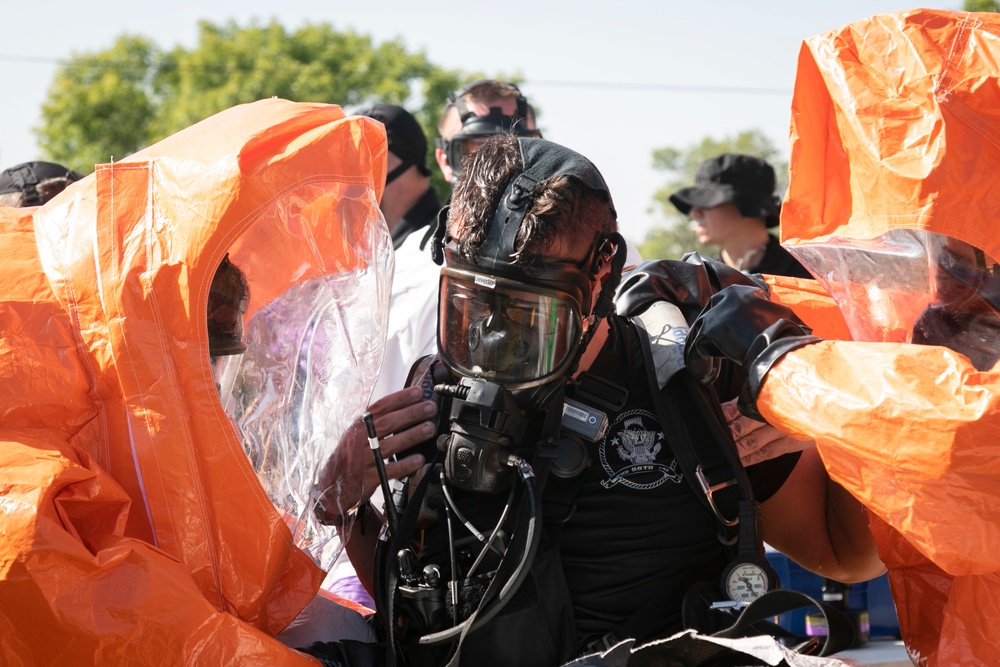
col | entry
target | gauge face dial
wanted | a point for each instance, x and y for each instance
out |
(746, 582)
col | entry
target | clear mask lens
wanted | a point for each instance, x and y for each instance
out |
(505, 331)
(461, 145)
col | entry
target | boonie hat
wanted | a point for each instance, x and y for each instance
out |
(406, 138)
(745, 181)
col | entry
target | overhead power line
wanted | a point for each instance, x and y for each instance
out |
(592, 85)
(658, 87)
(39, 60)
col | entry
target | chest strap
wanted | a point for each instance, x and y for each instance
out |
(692, 419)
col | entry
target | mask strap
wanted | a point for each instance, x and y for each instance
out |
(26, 181)
(457, 99)
(397, 172)
(605, 305)
(464, 112)
(440, 231)
(606, 300)
(513, 206)
(522, 107)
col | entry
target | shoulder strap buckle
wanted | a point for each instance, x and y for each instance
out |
(709, 491)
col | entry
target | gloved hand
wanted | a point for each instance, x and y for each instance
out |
(743, 325)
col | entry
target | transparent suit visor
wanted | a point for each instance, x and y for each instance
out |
(913, 286)
(312, 350)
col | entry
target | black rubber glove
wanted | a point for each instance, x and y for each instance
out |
(743, 325)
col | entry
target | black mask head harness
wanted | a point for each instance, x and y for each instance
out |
(523, 318)
(27, 177)
(475, 129)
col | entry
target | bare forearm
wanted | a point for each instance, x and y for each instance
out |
(819, 525)
(360, 540)
(850, 539)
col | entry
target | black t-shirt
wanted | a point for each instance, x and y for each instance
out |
(639, 532)
(777, 261)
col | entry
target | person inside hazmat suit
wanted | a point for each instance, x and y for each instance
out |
(186, 334)
(892, 205)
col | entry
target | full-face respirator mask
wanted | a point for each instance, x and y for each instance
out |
(512, 329)
(965, 312)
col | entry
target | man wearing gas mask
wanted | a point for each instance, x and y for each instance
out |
(553, 507)
(473, 113)
(905, 412)
(476, 112)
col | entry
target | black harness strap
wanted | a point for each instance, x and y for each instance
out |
(709, 460)
(593, 388)
(385, 555)
(841, 632)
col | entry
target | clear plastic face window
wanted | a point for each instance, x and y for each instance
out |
(965, 313)
(913, 286)
(968, 264)
(317, 267)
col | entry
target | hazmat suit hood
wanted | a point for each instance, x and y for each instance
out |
(893, 157)
(135, 522)
(892, 206)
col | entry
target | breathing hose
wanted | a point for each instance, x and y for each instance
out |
(527, 477)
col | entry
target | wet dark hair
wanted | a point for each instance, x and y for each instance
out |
(565, 211)
(227, 303)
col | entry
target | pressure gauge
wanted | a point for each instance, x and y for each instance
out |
(745, 581)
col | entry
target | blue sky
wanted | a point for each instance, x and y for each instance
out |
(614, 80)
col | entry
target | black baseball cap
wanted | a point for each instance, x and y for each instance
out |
(25, 177)
(407, 140)
(745, 181)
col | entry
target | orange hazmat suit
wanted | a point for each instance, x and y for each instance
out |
(895, 140)
(134, 529)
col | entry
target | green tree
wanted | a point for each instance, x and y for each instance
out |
(117, 101)
(673, 237)
(101, 105)
(981, 6)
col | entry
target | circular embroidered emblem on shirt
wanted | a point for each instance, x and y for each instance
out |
(631, 453)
